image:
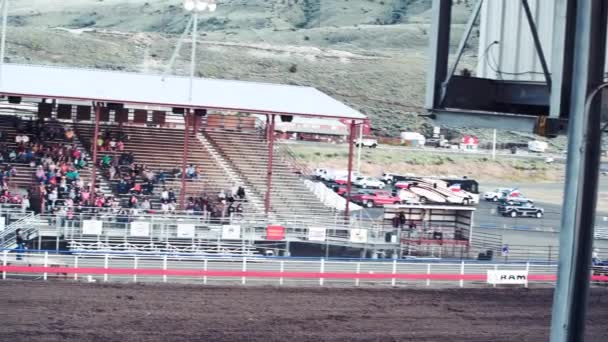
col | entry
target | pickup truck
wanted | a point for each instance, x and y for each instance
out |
(366, 142)
(521, 211)
(375, 199)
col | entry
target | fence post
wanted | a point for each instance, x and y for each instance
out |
(527, 273)
(428, 272)
(461, 273)
(394, 280)
(46, 264)
(282, 269)
(495, 269)
(358, 271)
(205, 271)
(244, 278)
(135, 267)
(322, 271)
(105, 266)
(4, 261)
(164, 268)
(75, 267)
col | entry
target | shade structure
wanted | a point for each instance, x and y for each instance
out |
(171, 91)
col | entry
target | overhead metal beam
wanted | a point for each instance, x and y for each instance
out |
(537, 44)
(562, 56)
(580, 195)
(439, 49)
(460, 51)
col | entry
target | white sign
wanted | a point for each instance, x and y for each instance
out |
(317, 234)
(2, 223)
(507, 277)
(358, 235)
(140, 228)
(91, 227)
(186, 230)
(231, 232)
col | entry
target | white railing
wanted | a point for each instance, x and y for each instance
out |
(228, 270)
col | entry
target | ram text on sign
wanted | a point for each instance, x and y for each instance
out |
(507, 277)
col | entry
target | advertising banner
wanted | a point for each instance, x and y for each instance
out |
(231, 232)
(275, 233)
(507, 277)
(358, 235)
(186, 230)
(92, 227)
(317, 234)
(140, 228)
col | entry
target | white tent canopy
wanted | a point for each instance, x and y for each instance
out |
(133, 88)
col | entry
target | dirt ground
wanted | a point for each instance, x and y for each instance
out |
(37, 311)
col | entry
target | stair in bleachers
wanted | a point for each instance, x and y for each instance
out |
(248, 153)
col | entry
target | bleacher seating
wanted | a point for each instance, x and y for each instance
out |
(161, 149)
(24, 178)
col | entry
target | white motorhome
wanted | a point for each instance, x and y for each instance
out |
(537, 146)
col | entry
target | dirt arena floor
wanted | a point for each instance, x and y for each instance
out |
(37, 311)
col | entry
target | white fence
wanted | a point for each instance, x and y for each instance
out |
(212, 270)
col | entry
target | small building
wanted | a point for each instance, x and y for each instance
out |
(469, 143)
(412, 139)
(312, 129)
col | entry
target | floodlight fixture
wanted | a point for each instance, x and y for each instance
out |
(189, 5)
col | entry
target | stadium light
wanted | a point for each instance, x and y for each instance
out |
(200, 5)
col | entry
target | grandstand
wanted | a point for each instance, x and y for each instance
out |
(217, 133)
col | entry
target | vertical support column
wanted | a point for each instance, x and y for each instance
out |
(359, 148)
(46, 264)
(580, 195)
(428, 273)
(322, 270)
(358, 271)
(527, 273)
(350, 168)
(165, 268)
(270, 139)
(182, 195)
(193, 54)
(394, 280)
(135, 268)
(4, 262)
(75, 267)
(461, 274)
(105, 267)
(94, 166)
(244, 269)
(439, 47)
(562, 56)
(205, 271)
(281, 270)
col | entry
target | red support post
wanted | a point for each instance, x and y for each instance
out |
(351, 139)
(270, 139)
(94, 166)
(182, 196)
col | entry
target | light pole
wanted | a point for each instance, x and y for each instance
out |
(195, 7)
(3, 39)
